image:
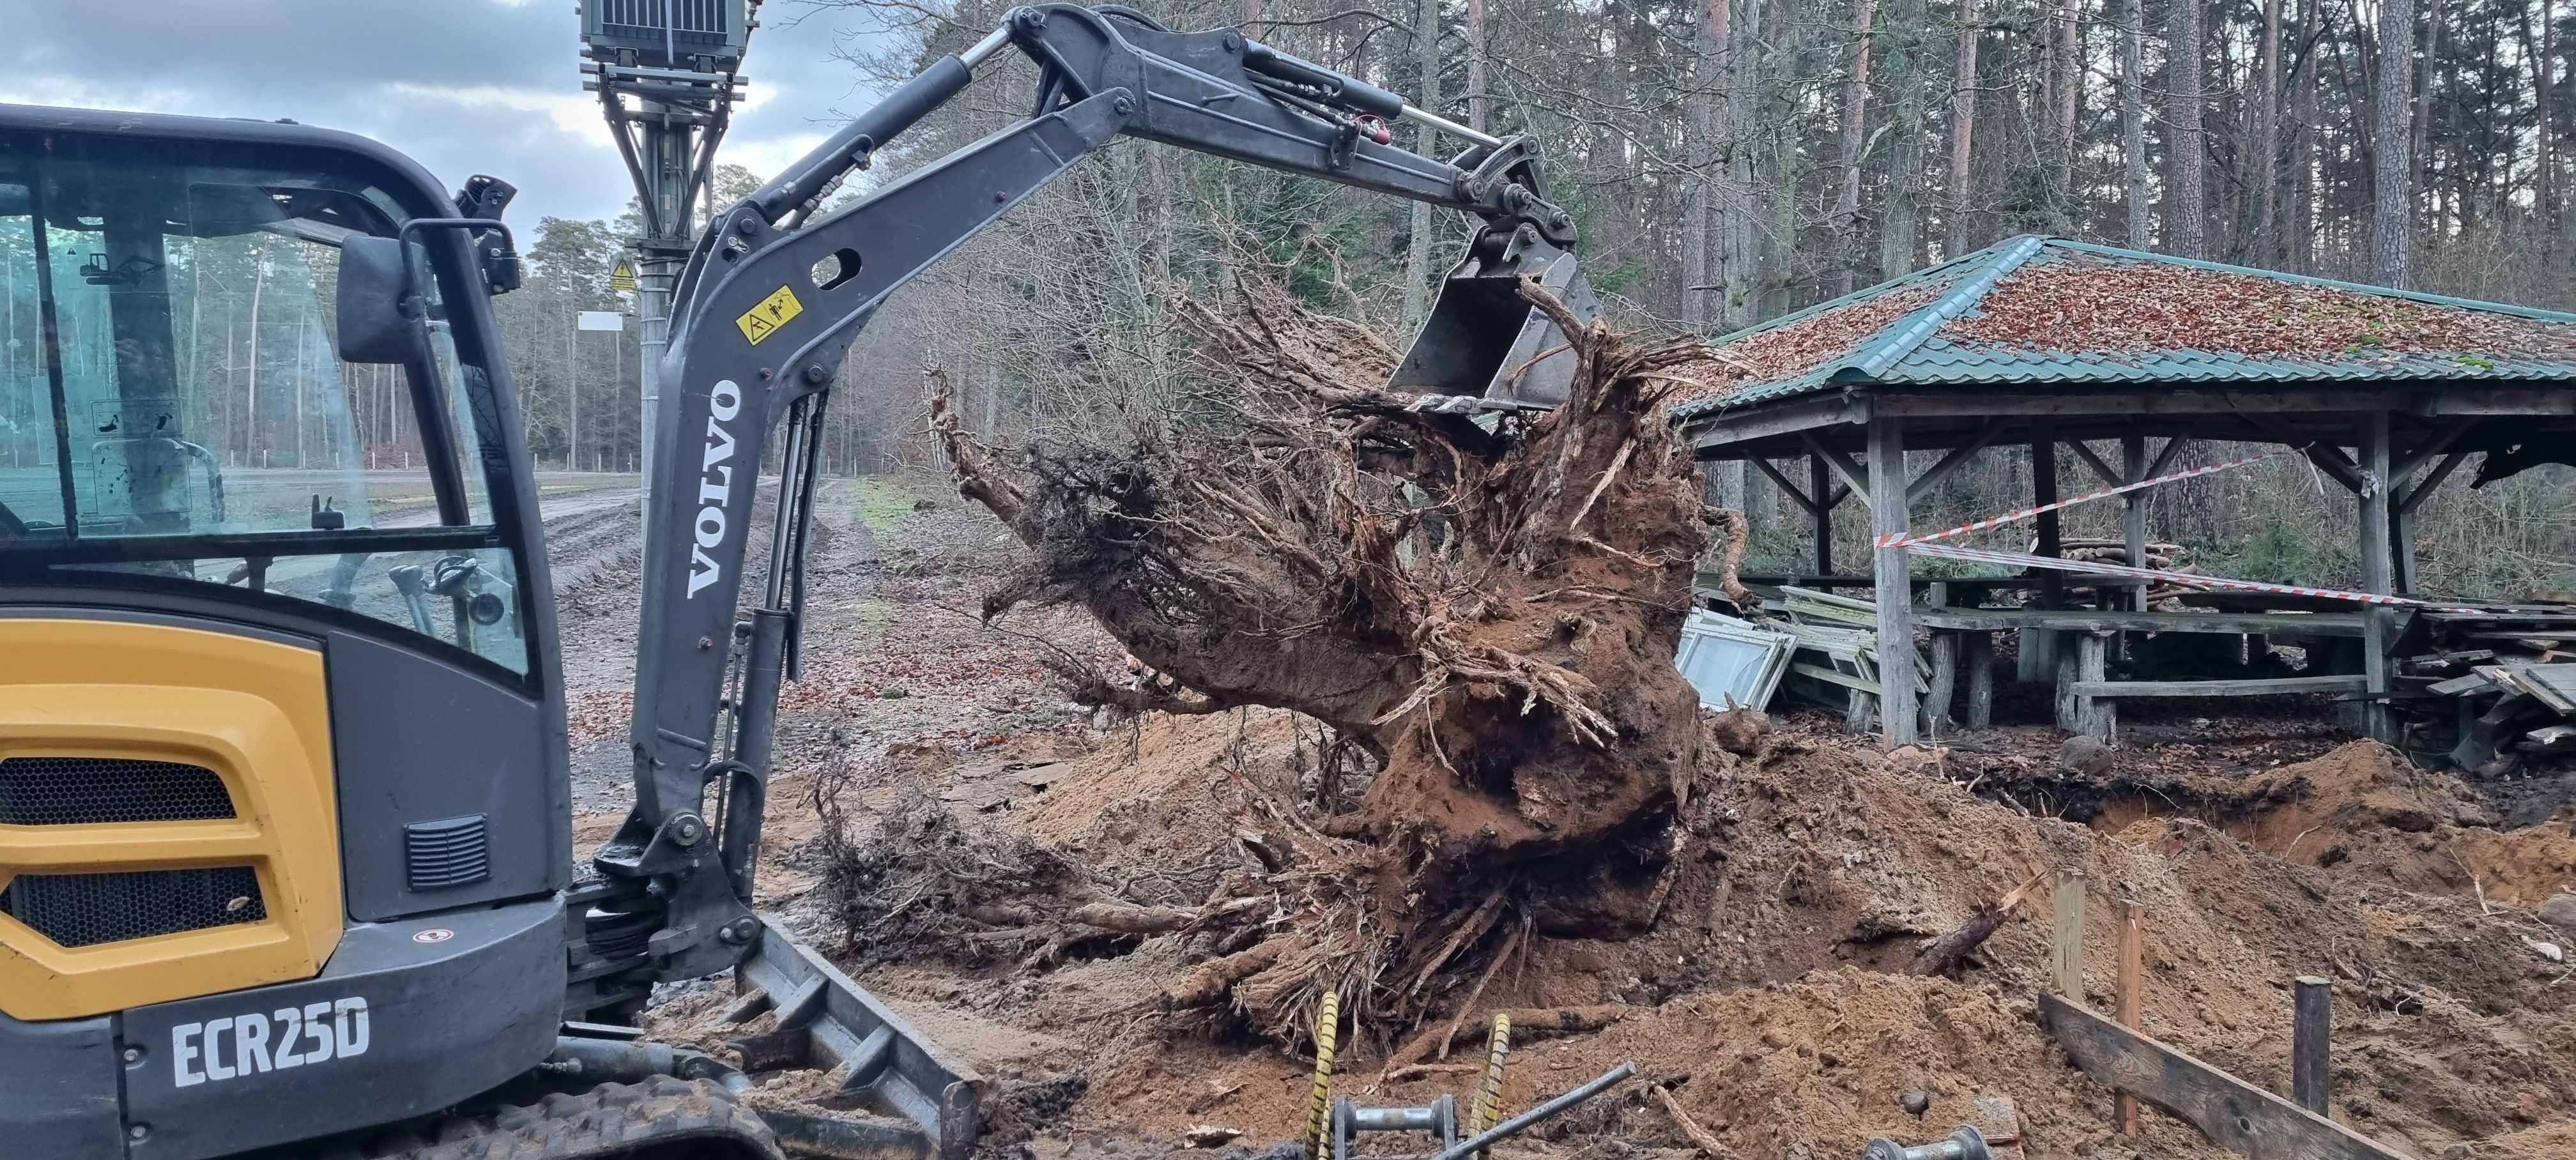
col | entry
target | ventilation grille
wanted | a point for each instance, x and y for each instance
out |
(80, 910)
(71, 791)
(454, 852)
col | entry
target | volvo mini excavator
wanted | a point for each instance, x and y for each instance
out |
(285, 840)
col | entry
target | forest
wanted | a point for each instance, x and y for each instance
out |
(1727, 162)
(1735, 160)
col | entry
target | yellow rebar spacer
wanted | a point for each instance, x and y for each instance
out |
(1488, 1105)
(1319, 1117)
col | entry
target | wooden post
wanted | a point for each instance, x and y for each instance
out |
(2377, 569)
(1945, 667)
(1980, 660)
(2038, 653)
(1821, 486)
(2133, 963)
(1898, 715)
(2066, 942)
(2311, 1029)
(2069, 712)
(2093, 715)
(2133, 508)
(2043, 491)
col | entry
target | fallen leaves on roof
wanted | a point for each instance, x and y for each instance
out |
(2097, 307)
(1785, 352)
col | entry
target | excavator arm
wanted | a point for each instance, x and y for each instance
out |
(773, 297)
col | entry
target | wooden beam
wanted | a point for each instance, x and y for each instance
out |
(1899, 715)
(1853, 474)
(2423, 489)
(2499, 401)
(2066, 936)
(1796, 494)
(2226, 1109)
(1951, 462)
(2043, 491)
(2099, 466)
(2439, 443)
(2165, 458)
(1945, 669)
(2132, 990)
(2159, 400)
(1980, 660)
(1711, 432)
(2121, 620)
(2252, 687)
(2326, 456)
(2378, 571)
(2311, 1035)
(2133, 508)
(1824, 515)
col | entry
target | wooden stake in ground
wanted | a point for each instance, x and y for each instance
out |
(2066, 947)
(2133, 922)
(2311, 1029)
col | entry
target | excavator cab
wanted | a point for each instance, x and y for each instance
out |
(282, 769)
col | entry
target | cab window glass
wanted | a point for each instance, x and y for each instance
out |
(169, 369)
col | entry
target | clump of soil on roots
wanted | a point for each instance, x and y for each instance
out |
(1485, 615)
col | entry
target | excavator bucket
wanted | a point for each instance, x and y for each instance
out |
(1484, 341)
(897, 1097)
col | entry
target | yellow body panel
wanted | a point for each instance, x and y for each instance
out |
(254, 711)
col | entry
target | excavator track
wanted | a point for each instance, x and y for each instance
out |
(662, 1118)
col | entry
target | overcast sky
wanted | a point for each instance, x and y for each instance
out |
(463, 86)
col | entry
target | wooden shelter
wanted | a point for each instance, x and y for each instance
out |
(2048, 343)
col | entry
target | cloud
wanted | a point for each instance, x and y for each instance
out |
(463, 86)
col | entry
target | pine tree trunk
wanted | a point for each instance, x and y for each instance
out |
(1698, 208)
(1900, 218)
(2133, 127)
(2545, 172)
(1476, 98)
(1417, 257)
(1742, 71)
(2420, 123)
(1855, 140)
(2391, 197)
(2303, 155)
(1963, 131)
(2267, 139)
(2184, 200)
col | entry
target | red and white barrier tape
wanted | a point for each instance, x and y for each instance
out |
(2193, 579)
(1901, 539)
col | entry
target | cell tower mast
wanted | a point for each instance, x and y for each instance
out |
(667, 75)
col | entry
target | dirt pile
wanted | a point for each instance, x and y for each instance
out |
(1766, 998)
(2365, 808)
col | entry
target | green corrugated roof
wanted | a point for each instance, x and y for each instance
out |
(1920, 346)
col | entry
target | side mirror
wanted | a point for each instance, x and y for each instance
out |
(378, 311)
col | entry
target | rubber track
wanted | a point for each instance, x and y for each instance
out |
(609, 1122)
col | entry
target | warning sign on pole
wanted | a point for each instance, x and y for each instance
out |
(622, 275)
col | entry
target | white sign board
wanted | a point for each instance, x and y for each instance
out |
(602, 320)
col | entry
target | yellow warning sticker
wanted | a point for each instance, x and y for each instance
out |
(763, 320)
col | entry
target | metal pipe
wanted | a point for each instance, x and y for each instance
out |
(864, 135)
(1520, 1123)
(1421, 1119)
(1438, 123)
(633, 1062)
(985, 48)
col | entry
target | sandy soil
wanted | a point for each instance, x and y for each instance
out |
(1764, 998)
